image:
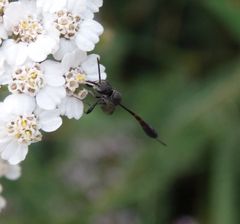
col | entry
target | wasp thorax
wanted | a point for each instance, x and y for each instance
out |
(104, 88)
(24, 129)
(27, 30)
(67, 24)
(27, 79)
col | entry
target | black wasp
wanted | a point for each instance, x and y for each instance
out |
(109, 98)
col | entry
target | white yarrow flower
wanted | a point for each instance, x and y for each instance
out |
(32, 33)
(82, 35)
(31, 37)
(75, 24)
(78, 68)
(20, 125)
(41, 80)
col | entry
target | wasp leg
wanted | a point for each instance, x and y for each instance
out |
(91, 108)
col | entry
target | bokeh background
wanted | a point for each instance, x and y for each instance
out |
(177, 64)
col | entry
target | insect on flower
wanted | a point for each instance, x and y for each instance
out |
(109, 98)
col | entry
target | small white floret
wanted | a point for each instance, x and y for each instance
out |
(44, 81)
(78, 68)
(21, 123)
(31, 37)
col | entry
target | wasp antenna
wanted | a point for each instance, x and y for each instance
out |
(99, 70)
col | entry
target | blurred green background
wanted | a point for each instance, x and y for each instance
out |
(177, 64)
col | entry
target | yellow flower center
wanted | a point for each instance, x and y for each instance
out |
(75, 77)
(27, 30)
(24, 129)
(27, 79)
(67, 24)
(81, 77)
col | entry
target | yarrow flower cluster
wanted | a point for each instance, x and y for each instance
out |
(44, 64)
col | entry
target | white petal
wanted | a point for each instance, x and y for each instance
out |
(92, 25)
(88, 35)
(13, 172)
(39, 50)
(71, 107)
(91, 62)
(5, 79)
(53, 73)
(19, 155)
(84, 44)
(4, 142)
(87, 14)
(95, 77)
(16, 53)
(73, 60)
(4, 116)
(49, 97)
(36, 53)
(9, 150)
(14, 152)
(55, 80)
(65, 47)
(3, 32)
(91, 68)
(19, 104)
(50, 120)
(77, 7)
(51, 6)
(2, 62)
(92, 7)
(12, 15)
